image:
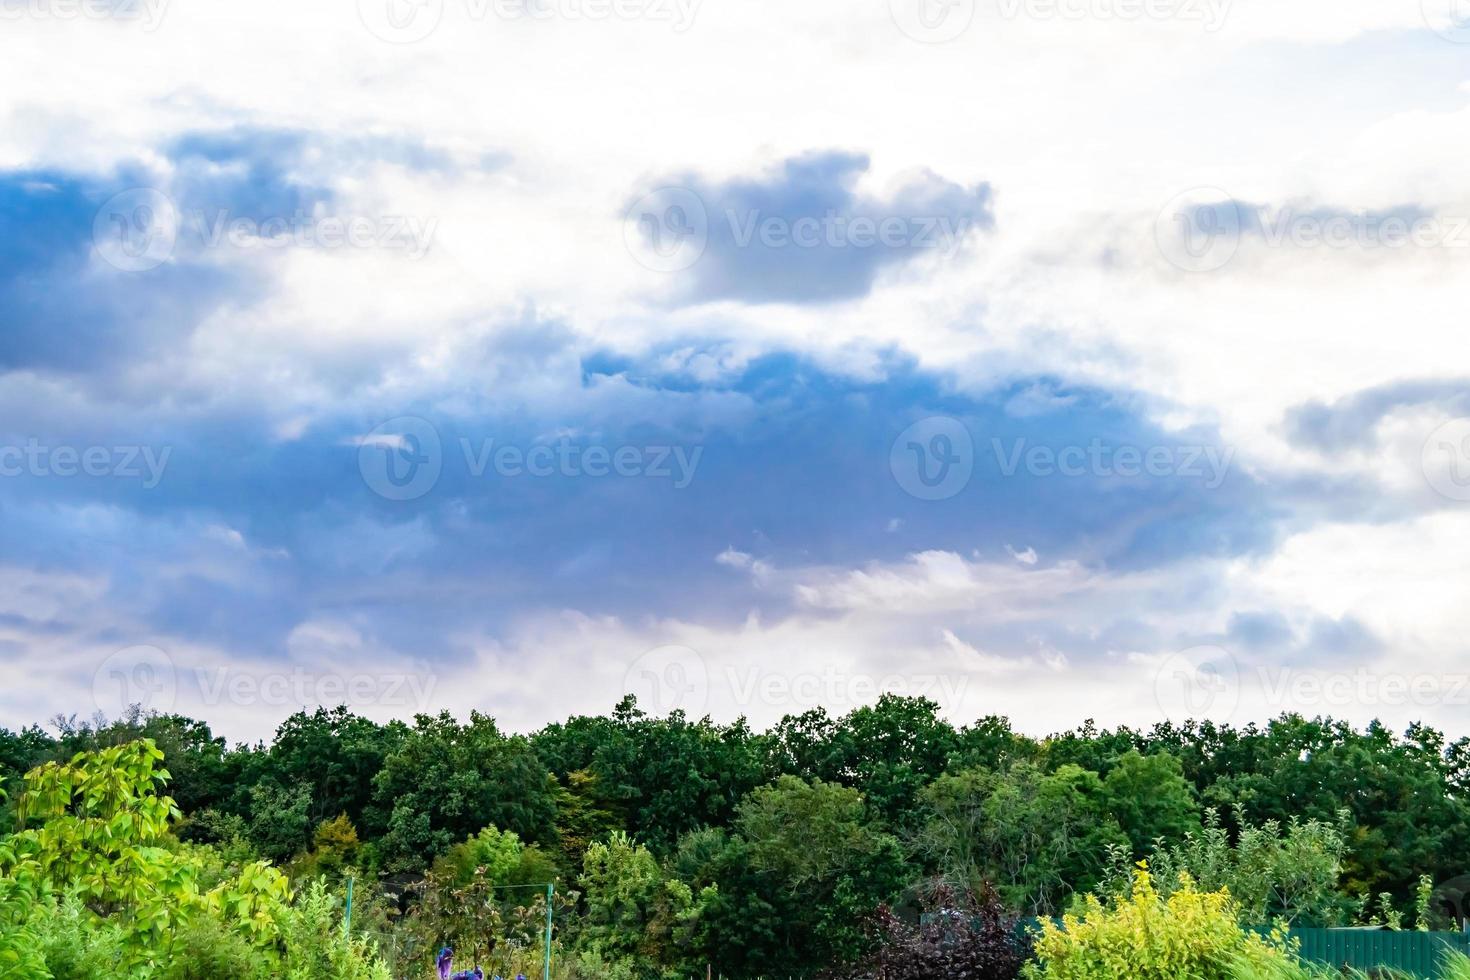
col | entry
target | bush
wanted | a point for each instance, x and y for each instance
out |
(315, 947)
(1147, 937)
(206, 950)
(964, 938)
(74, 943)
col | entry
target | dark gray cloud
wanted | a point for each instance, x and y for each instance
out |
(803, 233)
(1351, 422)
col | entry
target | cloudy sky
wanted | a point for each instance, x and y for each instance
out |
(1053, 358)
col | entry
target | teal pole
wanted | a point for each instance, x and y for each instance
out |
(546, 969)
(347, 919)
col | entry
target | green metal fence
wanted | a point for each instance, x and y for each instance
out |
(1418, 953)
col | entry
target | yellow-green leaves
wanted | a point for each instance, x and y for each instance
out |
(1144, 936)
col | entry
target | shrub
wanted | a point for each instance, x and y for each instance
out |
(960, 937)
(206, 949)
(74, 943)
(315, 946)
(1145, 936)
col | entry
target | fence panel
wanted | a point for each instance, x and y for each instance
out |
(1418, 953)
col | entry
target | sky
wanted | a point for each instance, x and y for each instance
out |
(1059, 359)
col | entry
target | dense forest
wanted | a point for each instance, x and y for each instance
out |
(677, 844)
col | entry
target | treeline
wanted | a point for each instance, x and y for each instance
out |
(680, 842)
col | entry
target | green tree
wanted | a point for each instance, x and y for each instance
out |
(1039, 837)
(1150, 798)
(812, 849)
(445, 781)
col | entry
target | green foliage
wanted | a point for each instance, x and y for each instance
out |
(1272, 872)
(1037, 836)
(826, 865)
(95, 884)
(97, 828)
(1147, 936)
(334, 847)
(1150, 798)
(207, 949)
(637, 918)
(445, 781)
(740, 868)
(73, 943)
(1423, 895)
(496, 852)
(661, 777)
(280, 819)
(314, 946)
